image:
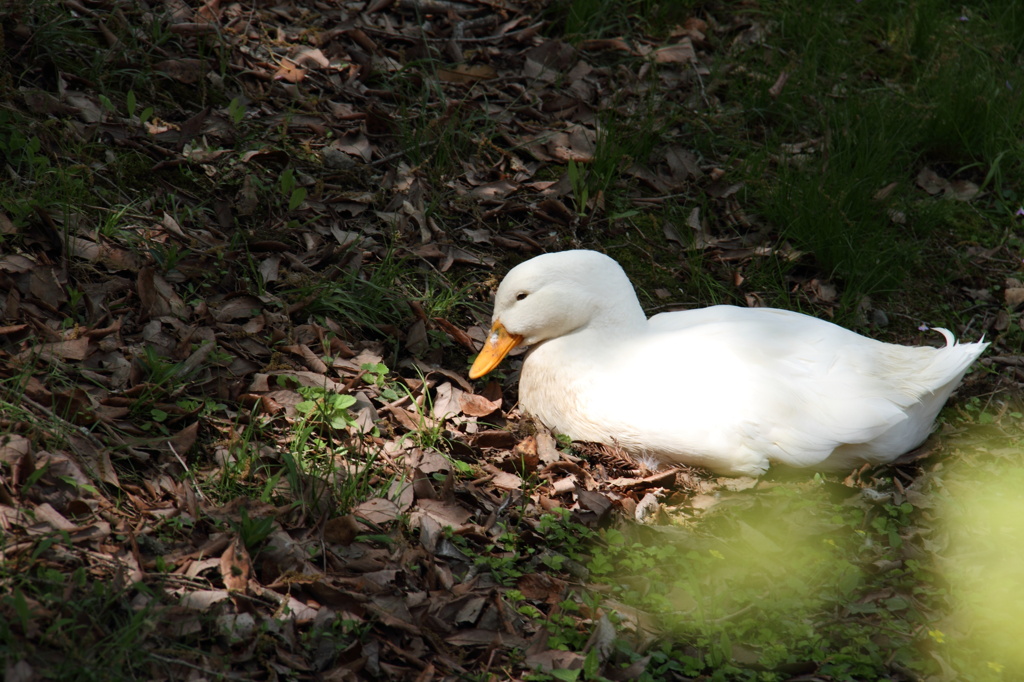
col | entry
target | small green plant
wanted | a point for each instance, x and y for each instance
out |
(168, 255)
(571, 539)
(236, 111)
(203, 407)
(253, 531)
(563, 629)
(291, 190)
(163, 378)
(22, 153)
(132, 104)
(580, 187)
(377, 375)
(323, 407)
(320, 461)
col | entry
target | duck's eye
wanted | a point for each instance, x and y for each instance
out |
(521, 295)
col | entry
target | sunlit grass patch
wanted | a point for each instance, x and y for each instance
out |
(980, 554)
(856, 583)
(782, 579)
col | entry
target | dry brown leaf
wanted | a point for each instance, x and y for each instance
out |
(547, 448)
(963, 190)
(236, 567)
(494, 439)
(377, 510)
(342, 530)
(507, 481)
(680, 53)
(6, 226)
(565, 485)
(445, 513)
(89, 109)
(290, 71)
(780, 83)
(577, 144)
(478, 405)
(542, 587)
(188, 71)
(410, 420)
(111, 256)
(931, 182)
(488, 638)
(547, 61)
(242, 306)
(157, 297)
(202, 600)
(447, 400)
(467, 73)
(493, 190)
(312, 55)
(182, 441)
(455, 334)
(72, 349)
(263, 382)
(50, 516)
(1014, 296)
(430, 461)
(355, 144)
(20, 671)
(16, 263)
(45, 285)
(884, 193)
(555, 659)
(94, 459)
(600, 44)
(13, 447)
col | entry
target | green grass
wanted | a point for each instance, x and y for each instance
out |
(43, 610)
(795, 575)
(885, 89)
(625, 135)
(876, 91)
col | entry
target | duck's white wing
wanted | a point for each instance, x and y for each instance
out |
(729, 384)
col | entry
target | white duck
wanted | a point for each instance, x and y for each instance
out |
(731, 389)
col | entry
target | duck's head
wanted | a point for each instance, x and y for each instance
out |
(553, 295)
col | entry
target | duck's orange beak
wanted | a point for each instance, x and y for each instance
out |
(499, 343)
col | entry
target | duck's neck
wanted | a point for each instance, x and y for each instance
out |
(625, 316)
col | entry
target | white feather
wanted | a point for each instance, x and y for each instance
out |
(728, 388)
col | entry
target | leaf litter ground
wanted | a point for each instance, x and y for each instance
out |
(177, 342)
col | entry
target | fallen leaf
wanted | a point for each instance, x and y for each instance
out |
(188, 71)
(341, 530)
(157, 297)
(1014, 296)
(376, 510)
(73, 349)
(680, 53)
(931, 182)
(290, 71)
(467, 73)
(476, 405)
